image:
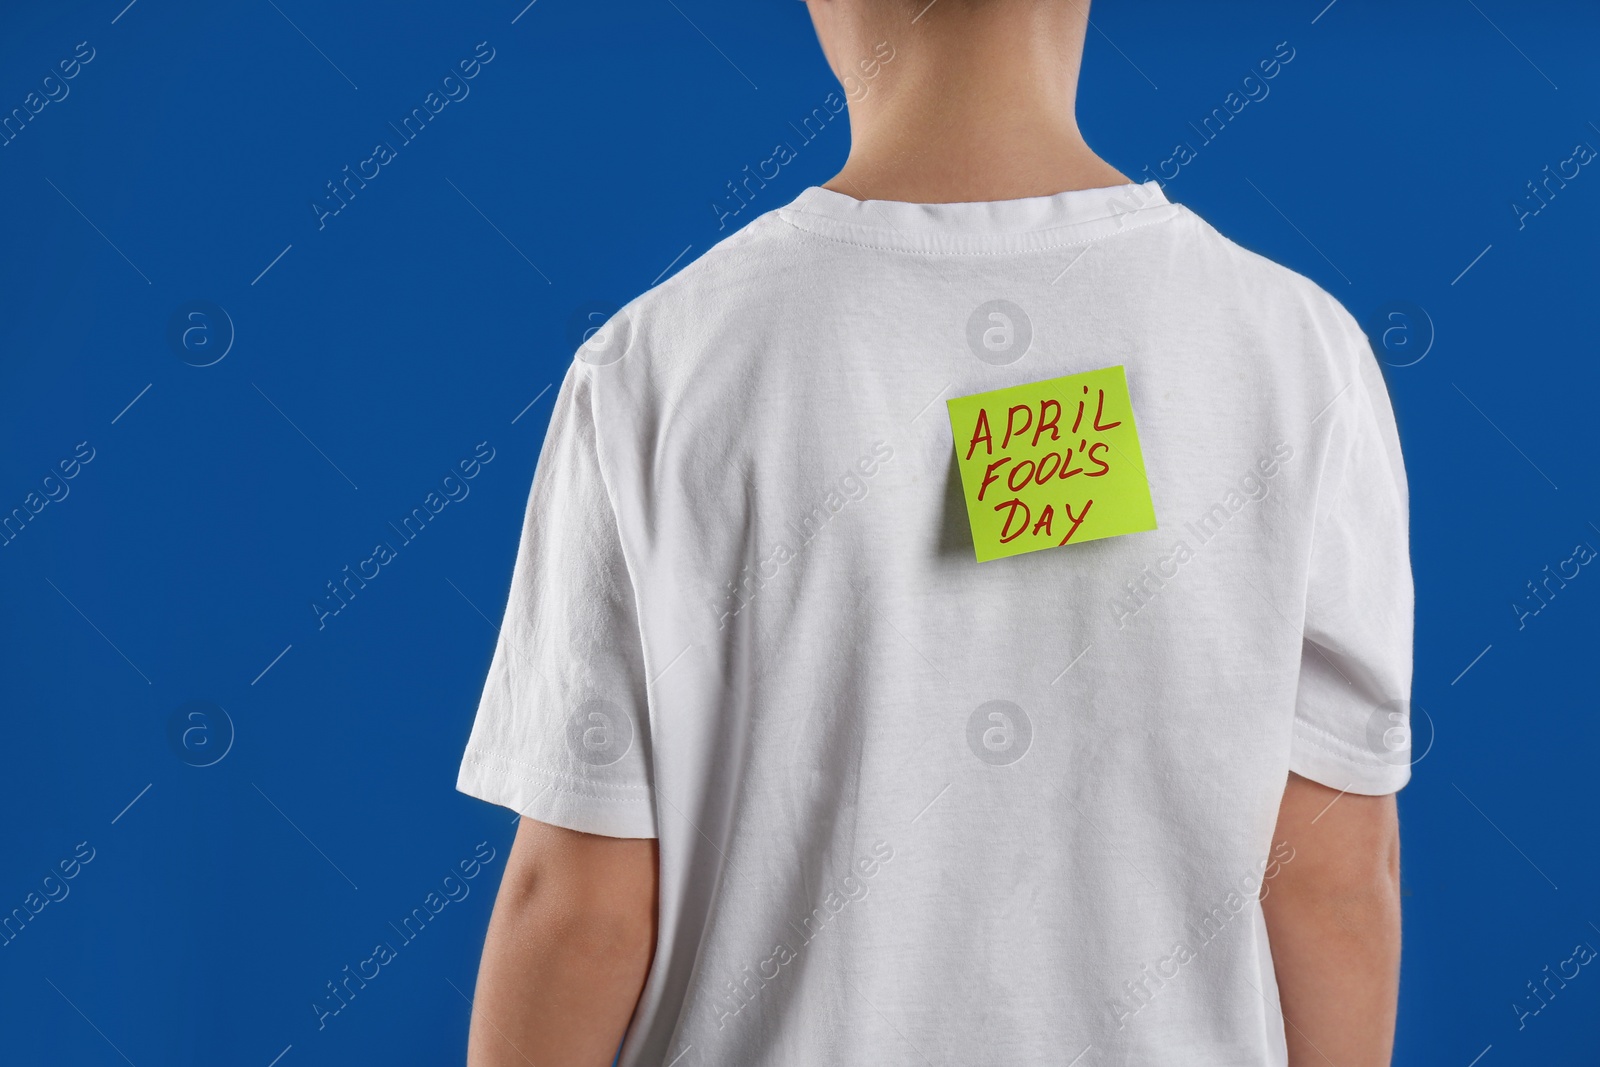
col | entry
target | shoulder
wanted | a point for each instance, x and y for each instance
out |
(1275, 281)
(1278, 298)
(723, 294)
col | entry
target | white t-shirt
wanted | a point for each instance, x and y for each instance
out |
(914, 808)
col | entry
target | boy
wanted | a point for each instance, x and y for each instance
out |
(814, 765)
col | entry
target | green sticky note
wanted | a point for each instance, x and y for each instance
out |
(1051, 463)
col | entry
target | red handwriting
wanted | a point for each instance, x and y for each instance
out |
(1099, 409)
(1049, 418)
(1025, 427)
(1045, 520)
(1076, 522)
(1036, 472)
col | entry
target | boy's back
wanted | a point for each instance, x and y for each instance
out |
(911, 807)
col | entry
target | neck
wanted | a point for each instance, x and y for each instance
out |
(972, 109)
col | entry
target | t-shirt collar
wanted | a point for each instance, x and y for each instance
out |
(1068, 217)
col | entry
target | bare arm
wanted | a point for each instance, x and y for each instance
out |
(568, 948)
(1333, 918)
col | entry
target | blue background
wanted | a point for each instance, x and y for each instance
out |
(439, 309)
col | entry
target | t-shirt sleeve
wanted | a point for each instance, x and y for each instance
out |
(1352, 728)
(561, 733)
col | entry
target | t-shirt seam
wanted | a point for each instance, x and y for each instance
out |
(622, 541)
(1310, 738)
(1346, 455)
(784, 213)
(1354, 381)
(562, 783)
